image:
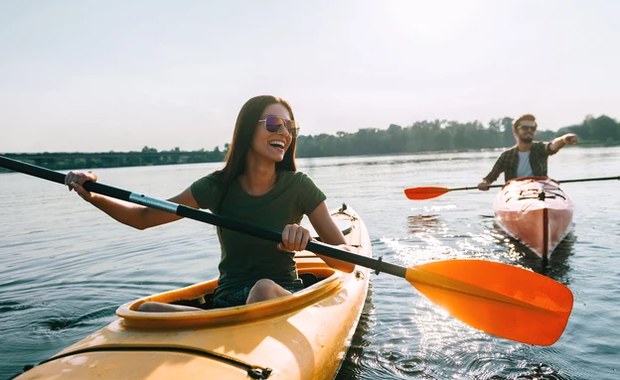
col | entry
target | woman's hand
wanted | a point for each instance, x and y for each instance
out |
(294, 238)
(75, 181)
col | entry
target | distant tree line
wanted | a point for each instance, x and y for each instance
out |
(443, 135)
(424, 136)
(146, 157)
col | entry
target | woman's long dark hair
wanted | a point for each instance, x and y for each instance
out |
(243, 135)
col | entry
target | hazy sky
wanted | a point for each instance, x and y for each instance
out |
(95, 76)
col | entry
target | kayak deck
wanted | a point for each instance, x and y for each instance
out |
(535, 211)
(301, 336)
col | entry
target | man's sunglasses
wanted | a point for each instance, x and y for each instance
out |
(274, 124)
(527, 128)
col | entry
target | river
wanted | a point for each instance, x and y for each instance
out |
(65, 267)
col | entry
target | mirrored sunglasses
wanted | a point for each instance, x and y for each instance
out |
(274, 124)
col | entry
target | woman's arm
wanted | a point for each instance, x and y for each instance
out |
(137, 216)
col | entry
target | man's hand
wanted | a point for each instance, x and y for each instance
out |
(484, 186)
(570, 139)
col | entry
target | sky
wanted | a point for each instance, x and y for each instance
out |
(99, 76)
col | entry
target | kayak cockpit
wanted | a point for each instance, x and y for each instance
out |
(320, 282)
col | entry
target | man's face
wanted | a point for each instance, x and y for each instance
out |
(526, 131)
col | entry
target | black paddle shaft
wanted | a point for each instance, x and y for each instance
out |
(558, 181)
(590, 179)
(189, 212)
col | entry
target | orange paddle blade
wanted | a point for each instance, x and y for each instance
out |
(426, 192)
(500, 299)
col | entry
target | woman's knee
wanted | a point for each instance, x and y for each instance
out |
(265, 289)
(265, 284)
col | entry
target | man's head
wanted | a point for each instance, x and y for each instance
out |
(524, 128)
(527, 121)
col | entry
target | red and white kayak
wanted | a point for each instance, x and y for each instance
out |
(535, 211)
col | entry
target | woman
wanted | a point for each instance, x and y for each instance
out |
(259, 184)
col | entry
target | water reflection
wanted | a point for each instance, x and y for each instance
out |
(353, 366)
(556, 266)
(422, 223)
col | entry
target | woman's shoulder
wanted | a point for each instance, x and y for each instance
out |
(207, 189)
(295, 179)
(210, 181)
(216, 176)
(294, 176)
(301, 187)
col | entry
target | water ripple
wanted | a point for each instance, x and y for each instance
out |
(65, 267)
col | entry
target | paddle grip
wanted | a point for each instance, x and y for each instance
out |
(58, 177)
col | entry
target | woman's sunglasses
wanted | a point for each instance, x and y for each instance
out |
(274, 124)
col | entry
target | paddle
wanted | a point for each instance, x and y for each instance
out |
(429, 192)
(499, 299)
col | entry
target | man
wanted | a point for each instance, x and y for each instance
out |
(527, 158)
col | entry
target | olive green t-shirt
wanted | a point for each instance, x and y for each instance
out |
(247, 259)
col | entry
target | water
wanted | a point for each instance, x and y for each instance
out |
(65, 267)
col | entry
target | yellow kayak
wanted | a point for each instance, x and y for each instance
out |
(302, 336)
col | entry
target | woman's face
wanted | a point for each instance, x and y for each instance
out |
(272, 145)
